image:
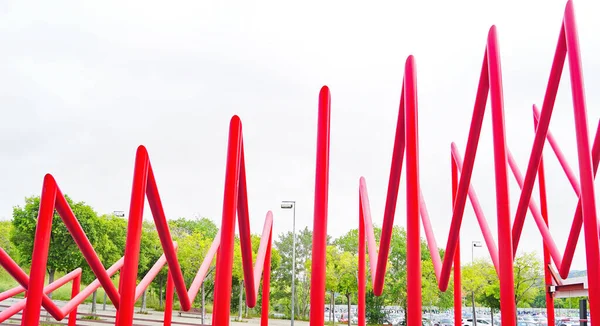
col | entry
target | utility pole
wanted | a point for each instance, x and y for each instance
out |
(288, 205)
(474, 244)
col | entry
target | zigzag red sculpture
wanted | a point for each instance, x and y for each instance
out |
(144, 184)
(406, 139)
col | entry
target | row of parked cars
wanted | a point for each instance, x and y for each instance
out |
(395, 319)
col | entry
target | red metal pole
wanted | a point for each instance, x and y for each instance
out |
(507, 292)
(317, 281)
(244, 231)
(466, 173)
(547, 274)
(565, 267)
(162, 228)
(168, 316)
(413, 226)
(129, 270)
(390, 203)
(266, 289)
(41, 243)
(362, 277)
(457, 267)
(225, 254)
(74, 293)
(537, 215)
(56, 312)
(84, 244)
(586, 177)
(539, 140)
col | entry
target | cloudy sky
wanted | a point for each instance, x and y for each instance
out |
(83, 84)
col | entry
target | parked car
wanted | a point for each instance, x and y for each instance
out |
(469, 322)
(444, 322)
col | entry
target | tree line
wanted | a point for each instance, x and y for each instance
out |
(194, 236)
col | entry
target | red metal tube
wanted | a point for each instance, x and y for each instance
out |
(84, 244)
(129, 271)
(390, 202)
(317, 281)
(225, 253)
(244, 229)
(538, 142)
(547, 274)
(41, 243)
(413, 227)
(466, 173)
(537, 215)
(485, 229)
(565, 267)
(505, 253)
(457, 267)
(168, 314)
(74, 292)
(162, 227)
(586, 177)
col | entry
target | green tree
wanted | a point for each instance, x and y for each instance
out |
(182, 227)
(6, 229)
(64, 255)
(374, 309)
(109, 245)
(282, 276)
(481, 279)
(528, 275)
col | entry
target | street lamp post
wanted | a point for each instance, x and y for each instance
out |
(474, 244)
(292, 205)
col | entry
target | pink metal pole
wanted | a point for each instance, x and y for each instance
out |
(57, 313)
(586, 176)
(11, 292)
(457, 267)
(266, 289)
(203, 270)
(317, 281)
(261, 257)
(168, 316)
(362, 277)
(507, 292)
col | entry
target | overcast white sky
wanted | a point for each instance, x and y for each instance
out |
(83, 84)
